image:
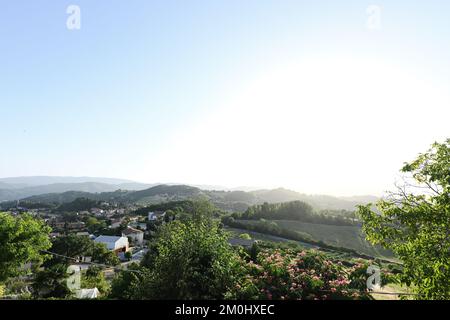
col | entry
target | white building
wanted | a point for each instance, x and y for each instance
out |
(154, 215)
(87, 293)
(136, 236)
(114, 243)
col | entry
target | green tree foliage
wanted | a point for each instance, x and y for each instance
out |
(245, 236)
(176, 206)
(190, 259)
(71, 246)
(296, 210)
(169, 216)
(180, 209)
(414, 222)
(149, 258)
(101, 254)
(128, 255)
(18, 287)
(94, 225)
(194, 261)
(127, 283)
(293, 210)
(50, 282)
(21, 241)
(94, 278)
(68, 217)
(79, 204)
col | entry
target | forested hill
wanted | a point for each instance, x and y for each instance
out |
(23, 187)
(227, 200)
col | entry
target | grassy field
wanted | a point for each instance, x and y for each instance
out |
(341, 236)
(267, 237)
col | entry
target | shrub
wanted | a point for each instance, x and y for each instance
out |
(245, 236)
(294, 275)
(192, 260)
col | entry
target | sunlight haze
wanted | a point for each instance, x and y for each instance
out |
(293, 94)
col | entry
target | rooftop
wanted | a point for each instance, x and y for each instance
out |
(130, 230)
(107, 238)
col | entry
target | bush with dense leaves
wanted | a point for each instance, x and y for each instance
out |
(287, 274)
(22, 240)
(192, 260)
(414, 222)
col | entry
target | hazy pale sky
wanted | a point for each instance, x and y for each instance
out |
(316, 96)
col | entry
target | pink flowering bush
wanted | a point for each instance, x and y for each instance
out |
(286, 274)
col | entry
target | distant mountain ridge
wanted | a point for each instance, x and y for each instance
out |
(17, 188)
(144, 194)
(45, 180)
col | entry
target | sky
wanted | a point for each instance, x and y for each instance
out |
(322, 97)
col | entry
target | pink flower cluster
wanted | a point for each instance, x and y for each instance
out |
(294, 275)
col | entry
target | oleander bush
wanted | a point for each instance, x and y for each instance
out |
(289, 274)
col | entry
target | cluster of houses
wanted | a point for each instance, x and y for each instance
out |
(34, 212)
(107, 213)
(130, 236)
(121, 244)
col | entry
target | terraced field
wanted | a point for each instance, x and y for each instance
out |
(340, 236)
(267, 237)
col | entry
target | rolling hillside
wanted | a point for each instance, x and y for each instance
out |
(24, 187)
(45, 180)
(226, 200)
(350, 237)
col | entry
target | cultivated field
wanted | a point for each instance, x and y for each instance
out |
(340, 236)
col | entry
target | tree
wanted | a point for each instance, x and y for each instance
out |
(193, 260)
(72, 245)
(79, 204)
(94, 278)
(148, 259)
(169, 216)
(126, 284)
(50, 282)
(245, 236)
(414, 222)
(128, 255)
(296, 210)
(22, 240)
(101, 254)
(94, 225)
